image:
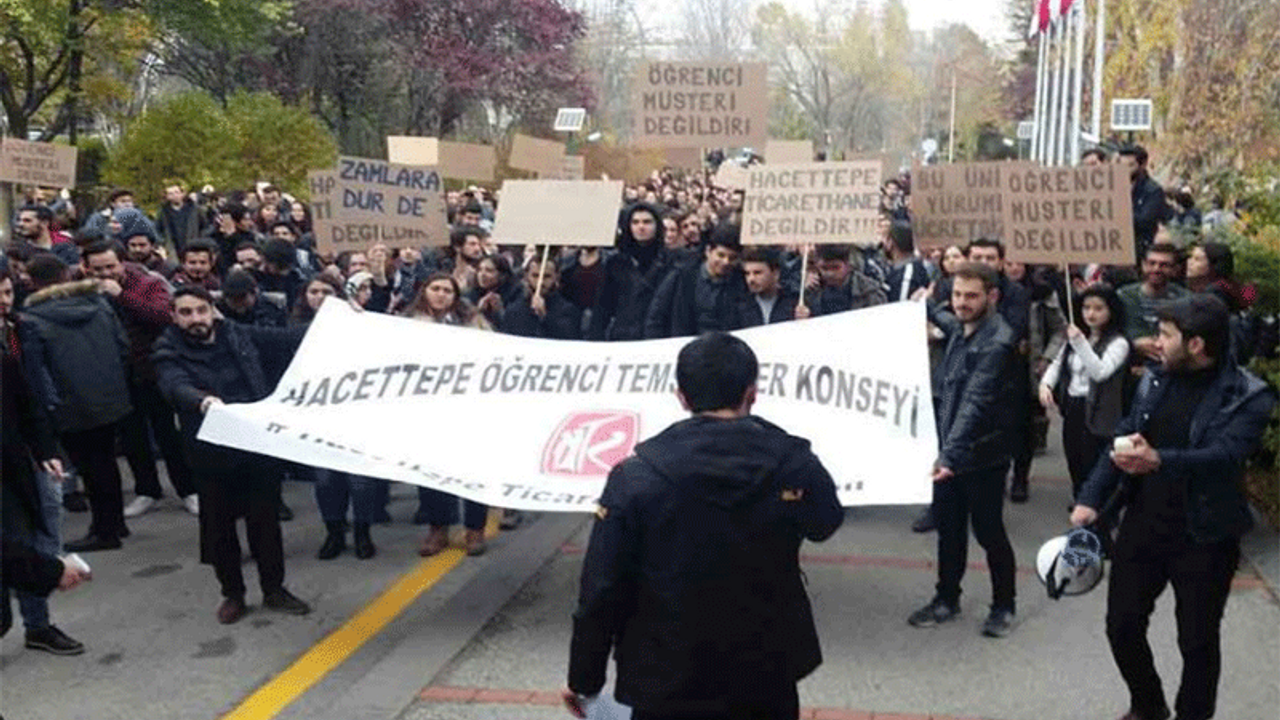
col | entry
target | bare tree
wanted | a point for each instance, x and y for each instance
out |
(714, 29)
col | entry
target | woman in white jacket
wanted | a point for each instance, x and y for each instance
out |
(1086, 380)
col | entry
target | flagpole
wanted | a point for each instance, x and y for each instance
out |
(1037, 140)
(1076, 109)
(951, 136)
(1055, 90)
(1099, 52)
(1064, 55)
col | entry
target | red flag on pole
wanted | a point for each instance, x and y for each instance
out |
(1043, 15)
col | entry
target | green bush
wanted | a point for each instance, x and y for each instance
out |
(277, 143)
(193, 140)
(187, 139)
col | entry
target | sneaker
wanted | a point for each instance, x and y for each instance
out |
(75, 502)
(192, 503)
(52, 640)
(935, 613)
(139, 505)
(284, 601)
(999, 623)
(231, 610)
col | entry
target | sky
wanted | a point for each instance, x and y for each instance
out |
(985, 17)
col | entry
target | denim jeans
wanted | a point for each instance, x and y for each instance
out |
(35, 608)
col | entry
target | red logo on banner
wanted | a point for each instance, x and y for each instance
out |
(589, 444)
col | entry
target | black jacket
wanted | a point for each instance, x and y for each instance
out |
(264, 313)
(563, 320)
(692, 575)
(678, 309)
(631, 276)
(1149, 210)
(750, 314)
(973, 389)
(75, 353)
(187, 376)
(26, 435)
(1225, 430)
(180, 225)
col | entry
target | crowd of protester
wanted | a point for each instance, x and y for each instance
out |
(105, 315)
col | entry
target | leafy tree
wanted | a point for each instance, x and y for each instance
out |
(61, 59)
(515, 56)
(220, 45)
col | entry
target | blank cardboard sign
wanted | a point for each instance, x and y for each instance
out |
(558, 212)
(535, 155)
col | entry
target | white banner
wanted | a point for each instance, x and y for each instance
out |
(537, 424)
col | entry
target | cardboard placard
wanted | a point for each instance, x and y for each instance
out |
(631, 164)
(459, 161)
(684, 158)
(786, 152)
(1069, 215)
(953, 204)
(811, 202)
(730, 175)
(36, 163)
(558, 212)
(468, 161)
(701, 104)
(535, 155)
(363, 202)
(412, 150)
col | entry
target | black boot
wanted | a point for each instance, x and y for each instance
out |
(363, 543)
(334, 543)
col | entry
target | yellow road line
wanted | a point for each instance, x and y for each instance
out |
(267, 701)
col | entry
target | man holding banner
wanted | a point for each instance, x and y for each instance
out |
(692, 571)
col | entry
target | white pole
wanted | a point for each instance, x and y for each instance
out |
(1037, 140)
(1055, 89)
(1099, 52)
(951, 135)
(1064, 56)
(1078, 95)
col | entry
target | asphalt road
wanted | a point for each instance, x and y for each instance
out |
(399, 637)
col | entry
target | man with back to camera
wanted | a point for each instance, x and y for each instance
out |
(692, 573)
(1180, 453)
(973, 430)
